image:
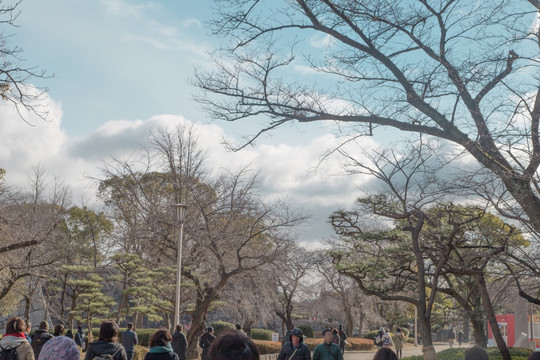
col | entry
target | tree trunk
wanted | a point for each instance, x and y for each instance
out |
(490, 314)
(477, 320)
(27, 306)
(466, 328)
(198, 318)
(424, 322)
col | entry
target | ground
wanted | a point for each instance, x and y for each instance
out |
(408, 351)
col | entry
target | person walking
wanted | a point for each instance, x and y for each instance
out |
(328, 350)
(335, 339)
(378, 338)
(40, 337)
(59, 330)
(14, 340)
(342, 339)
(387, 339)
(129, 340)
(294, 348)
(385, 354)
(460, 337)
(69, 334)
(399, 340)
(160, 347)
(107, 343)
(232, 345)
(179, 342)
(60, 347)
(451, 338)
(80, 338)
(206, 341)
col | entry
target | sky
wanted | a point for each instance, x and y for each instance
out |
(119, 70)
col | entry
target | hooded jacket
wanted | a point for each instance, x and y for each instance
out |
(161, 353)
(205, 342)
(102, 347)
(302, 351)
(39, 338)
(24, 350)
(179, 344)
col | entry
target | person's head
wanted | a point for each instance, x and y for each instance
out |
(28, 326)
(535, 356)
(160, 338)
(385, 354)
(334, 330)
(44, 325)
(340, 327)
(381, 329)
(15, 325)
(296, 336)
(108, 331)
(476, 353)
(398, 330)
(210, 330)
(179, 327)
(232, 345)
(59, 330)
(60, 347)
(238, 327)
(328, 336)
(79, 329)
(130, 326)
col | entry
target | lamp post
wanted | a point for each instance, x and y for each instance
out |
(180, 218)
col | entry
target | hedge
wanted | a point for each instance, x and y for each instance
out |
(459, 354)
(261, 334)
(373, 334)
(267, 347)
(219, 326)
(306, 330)
(352, 343)
(144, 335)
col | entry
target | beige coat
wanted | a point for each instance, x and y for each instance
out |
(24, 350)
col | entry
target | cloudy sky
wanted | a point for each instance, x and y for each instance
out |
(120, 70)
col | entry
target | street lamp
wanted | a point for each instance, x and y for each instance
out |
(180, 218)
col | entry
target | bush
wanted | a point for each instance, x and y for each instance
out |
(144, 335)
(140, 352)
(219, 326)
(359, 344)
(311, 343)
(267, 347)
(306, 330)
(261, 334)
(459, 354)
(373, 334)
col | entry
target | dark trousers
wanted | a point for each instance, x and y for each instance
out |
(130, 354)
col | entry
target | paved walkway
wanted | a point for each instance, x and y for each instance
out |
(408, 351)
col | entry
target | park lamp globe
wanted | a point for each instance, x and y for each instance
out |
(181, 212)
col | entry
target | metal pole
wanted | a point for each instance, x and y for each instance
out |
(180, 214)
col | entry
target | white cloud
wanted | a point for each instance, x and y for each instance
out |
(322, 41)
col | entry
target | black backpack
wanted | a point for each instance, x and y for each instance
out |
(8, 353)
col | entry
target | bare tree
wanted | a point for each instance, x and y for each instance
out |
(461, 71)
(15, 78)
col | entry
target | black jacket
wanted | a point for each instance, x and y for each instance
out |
(39, 338)
(205, 342)
(179, 344)
(161, 356)
(102, 347)
(288, 348)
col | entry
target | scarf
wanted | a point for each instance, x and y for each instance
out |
(18, 335)
(161, 349)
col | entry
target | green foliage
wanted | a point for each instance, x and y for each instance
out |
(261, 334)
(144, 335)
(220, 326)
(267, 347)
(307, 330)
(459, 354)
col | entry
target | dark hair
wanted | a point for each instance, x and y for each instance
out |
(326, 331)
(108, 331)
(385, 354)
(238, 327)
(179, 327)
(44, 325)
(398, 330)
(535, 356)
(232, 345)
(476, 353)
(130, 325)
(15, 325)
(210, 329)
(160, 338)
(59, 330)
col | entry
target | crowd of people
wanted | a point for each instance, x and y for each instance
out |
(18, 344)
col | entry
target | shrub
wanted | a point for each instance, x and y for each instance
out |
(459, 354)
(307, 330)
(267, 347)
(373, 334)
(219, 326)
(144, 335)
(140, 352)
(311, 343)
(261, 334)
(359, 344)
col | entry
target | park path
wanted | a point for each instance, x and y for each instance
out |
(408, 351)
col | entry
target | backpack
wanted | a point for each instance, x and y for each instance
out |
(105, 356)
(9, 353)
(377, 340)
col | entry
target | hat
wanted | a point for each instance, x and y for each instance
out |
(60, 347)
